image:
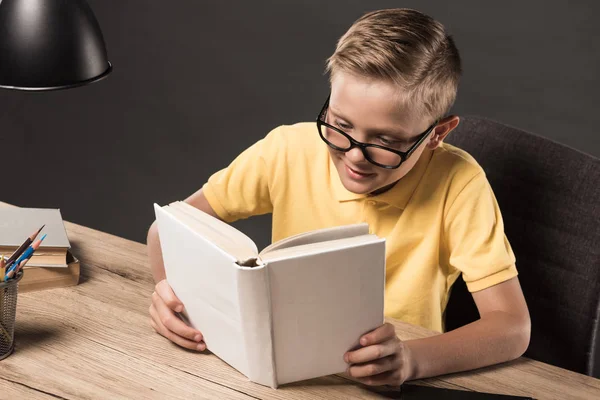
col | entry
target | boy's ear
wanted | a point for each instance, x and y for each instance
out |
(443, 128)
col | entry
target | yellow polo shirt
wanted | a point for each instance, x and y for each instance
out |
(440, 220)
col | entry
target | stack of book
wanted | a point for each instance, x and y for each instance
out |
(52, 265)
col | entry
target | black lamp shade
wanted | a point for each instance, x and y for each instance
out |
(50, 45)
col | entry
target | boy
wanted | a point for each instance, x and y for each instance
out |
(376, 155)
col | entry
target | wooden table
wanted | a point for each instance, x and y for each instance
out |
(94, 341)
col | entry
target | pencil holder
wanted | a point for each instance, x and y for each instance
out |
(8, 312)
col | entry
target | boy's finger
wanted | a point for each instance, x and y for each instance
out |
(370, 353)
(391, 378)
(374, 368)
(381, 334)
(179, 340)
(165, 291)
(174, 323)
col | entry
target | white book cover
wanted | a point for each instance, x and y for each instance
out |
(286, 314)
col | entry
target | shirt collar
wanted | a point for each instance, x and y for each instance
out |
(398, 196)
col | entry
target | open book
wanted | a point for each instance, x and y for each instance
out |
(282, 315)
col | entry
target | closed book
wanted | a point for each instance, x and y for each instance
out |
(16, 224)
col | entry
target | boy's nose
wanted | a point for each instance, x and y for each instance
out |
(356, 156)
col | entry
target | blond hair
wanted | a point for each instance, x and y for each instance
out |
(407, 48)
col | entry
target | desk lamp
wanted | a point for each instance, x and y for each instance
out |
(50, 45)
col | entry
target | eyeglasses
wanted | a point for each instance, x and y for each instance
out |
(381, 156)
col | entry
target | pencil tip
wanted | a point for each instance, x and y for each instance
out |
(32, 237)
(43, 237)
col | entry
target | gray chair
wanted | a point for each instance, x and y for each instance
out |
(549, 195)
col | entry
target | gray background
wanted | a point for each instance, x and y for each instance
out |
(196, 82)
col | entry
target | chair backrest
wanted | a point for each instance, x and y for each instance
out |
(549, 195)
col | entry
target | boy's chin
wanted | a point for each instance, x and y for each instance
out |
(359, 187)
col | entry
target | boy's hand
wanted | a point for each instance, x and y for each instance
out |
(383, 359)
(167, 323)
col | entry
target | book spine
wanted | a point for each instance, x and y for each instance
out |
(256, 321)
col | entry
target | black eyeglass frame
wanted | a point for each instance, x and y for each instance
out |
(404, 155)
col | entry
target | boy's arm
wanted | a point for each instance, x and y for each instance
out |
(157, 267)
(501, 334)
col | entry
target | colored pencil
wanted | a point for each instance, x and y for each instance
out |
(25, 256)
(23, 246)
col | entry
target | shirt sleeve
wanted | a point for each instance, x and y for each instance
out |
(477, 244)
(241, 190)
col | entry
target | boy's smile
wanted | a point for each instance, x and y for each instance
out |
(371, 111)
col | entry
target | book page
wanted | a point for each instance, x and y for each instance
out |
(321, 235)
(222, 234)
(208, 219)
(318, 247)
